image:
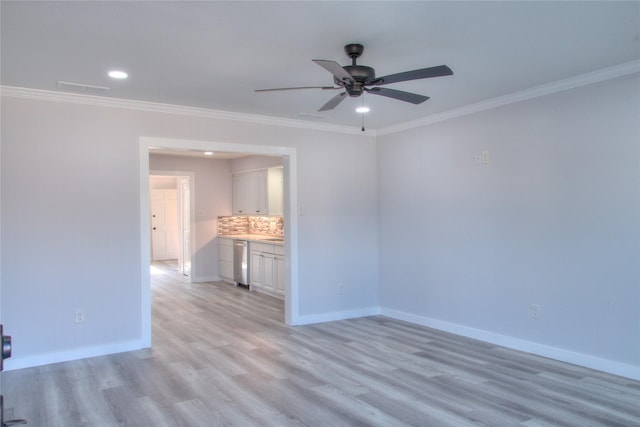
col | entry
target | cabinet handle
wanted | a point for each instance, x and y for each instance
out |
(6, 347)
(13, 422)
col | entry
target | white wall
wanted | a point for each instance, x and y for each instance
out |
(71, 221)
(249, 163)
(553, 219)
(163, 182)
(212, 199)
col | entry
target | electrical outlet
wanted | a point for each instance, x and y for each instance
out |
(79, 315)
(340, 288)
(481, 157)
(484, 157)
(535, 311)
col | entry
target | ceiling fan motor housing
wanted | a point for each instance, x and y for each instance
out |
(361, 74)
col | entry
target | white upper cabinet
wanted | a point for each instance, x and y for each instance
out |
(245, 201)
(258, 192)
(275, 191)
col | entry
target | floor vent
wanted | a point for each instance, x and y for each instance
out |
(79, 87)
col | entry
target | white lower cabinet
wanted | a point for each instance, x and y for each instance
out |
(278, 273)
(267, 269)
(225, 259)
(256, 269)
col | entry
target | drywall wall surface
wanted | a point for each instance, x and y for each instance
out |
(249, 163)
(163, 182)
(535, 203)
(71, 221)
(69, 189)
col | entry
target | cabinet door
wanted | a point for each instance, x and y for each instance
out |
(275, 190)
(268, 271)
(225, 269)
(278, 274)
(260, 198)
(225, 249)
(236, 190)
(256, 274)
(240, 193)
(225, 258)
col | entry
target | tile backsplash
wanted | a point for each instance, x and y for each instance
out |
(267, 225)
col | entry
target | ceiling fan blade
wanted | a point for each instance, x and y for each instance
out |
(333, 102)
(296, 88)
(423, 73)
(413, 98)
(336, 69)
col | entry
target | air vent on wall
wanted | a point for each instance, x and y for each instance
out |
(79, 87)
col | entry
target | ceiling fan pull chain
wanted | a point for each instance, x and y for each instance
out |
(363, 112)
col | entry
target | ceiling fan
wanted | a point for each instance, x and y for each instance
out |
(356, 79)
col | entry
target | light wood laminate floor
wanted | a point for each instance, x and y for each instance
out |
(222, 357)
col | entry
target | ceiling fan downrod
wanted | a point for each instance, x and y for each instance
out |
(353, 51)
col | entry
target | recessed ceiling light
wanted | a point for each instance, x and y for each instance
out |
(362, 109)
(208, 153)
(117, 74)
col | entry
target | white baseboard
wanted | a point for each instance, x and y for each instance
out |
(581, 359)
(64, 356)
(588, 361)
(337, 315)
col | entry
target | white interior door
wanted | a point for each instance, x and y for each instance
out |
(164, 224)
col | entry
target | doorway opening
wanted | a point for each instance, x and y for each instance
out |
(288, 155)
(172, 217)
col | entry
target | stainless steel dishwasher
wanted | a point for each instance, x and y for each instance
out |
(241, 262)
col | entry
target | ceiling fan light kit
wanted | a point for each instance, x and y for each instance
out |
(356, 79)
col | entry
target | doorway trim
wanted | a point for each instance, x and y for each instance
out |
(291, 300)
(192, 218)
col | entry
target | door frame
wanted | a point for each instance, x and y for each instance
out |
(289, 157)
(192, 218)
(186, 248)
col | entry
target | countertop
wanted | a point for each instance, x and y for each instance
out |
(272, 240)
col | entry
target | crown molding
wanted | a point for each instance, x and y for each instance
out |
(609, 73)
(604, 74)
(100, 101)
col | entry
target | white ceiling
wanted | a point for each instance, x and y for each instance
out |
(214, 54)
